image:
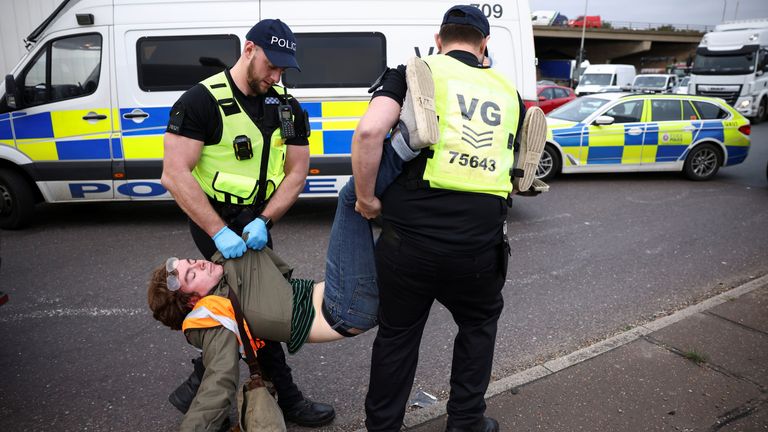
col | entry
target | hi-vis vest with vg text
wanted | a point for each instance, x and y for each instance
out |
(220, 174)
(479, 113)
(213, 311)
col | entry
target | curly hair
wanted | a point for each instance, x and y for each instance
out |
(168, 307)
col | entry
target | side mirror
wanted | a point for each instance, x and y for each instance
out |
(604, 120)
(12, 98)
(542, 98)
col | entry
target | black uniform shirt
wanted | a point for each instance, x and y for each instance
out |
(441, 220)
(201, 118)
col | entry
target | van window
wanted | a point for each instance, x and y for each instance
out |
(666, 110)
(602, 79)
(74, 69)
(170, 63)
(709, 111)
(338, 60)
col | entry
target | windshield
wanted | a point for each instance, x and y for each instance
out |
(602, 79)
(684, 82)
(734, 64)
(650, 81)
(578, 109)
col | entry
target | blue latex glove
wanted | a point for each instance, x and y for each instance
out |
(229, 243)
(257, 234)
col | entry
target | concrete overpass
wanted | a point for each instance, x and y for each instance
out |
(641, 48)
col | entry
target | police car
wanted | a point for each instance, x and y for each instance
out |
(624, 132)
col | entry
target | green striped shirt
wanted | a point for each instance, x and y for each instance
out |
(303, 313)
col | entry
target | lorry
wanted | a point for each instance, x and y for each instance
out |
(548, 18)
(599, 78)
(83, 113)
(732, 63)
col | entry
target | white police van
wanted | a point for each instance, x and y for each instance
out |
(84, 112)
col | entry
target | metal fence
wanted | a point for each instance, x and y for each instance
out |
(645, 26)
(630, 25)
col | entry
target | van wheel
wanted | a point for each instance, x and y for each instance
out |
(17, 200)
(549, 164)
(702, 162)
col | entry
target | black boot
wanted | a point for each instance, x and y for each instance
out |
(182, 397)
(309, 413)
(487, 424)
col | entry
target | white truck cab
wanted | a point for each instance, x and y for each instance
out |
(83, 113)
(732, 63)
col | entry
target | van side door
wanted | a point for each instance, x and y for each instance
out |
(153, 70)
(64, 123)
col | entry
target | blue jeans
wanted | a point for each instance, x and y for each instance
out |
(351, 297)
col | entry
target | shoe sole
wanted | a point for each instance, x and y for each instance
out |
(422, 89)
(532, 140)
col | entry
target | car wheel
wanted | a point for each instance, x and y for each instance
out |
(17, 200)
(702, 162)
(549, 164)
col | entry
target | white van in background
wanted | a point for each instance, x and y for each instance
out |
(83, 113)
(732, 63)
(654, 83)
(605, 78)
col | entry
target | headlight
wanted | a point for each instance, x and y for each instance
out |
(745, 103)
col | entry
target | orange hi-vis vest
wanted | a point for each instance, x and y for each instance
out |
(213, 311)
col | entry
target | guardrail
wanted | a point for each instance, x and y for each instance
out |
(645, 26)
(630, 25)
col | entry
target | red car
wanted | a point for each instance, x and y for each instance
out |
(592, 21)
(552, 96)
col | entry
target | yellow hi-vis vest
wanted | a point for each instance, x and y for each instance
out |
(479, 114)
(213, 311)
(219, 173)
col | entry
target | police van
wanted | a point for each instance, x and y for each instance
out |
(84, 111)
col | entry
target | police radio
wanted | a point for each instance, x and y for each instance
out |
(287, 128)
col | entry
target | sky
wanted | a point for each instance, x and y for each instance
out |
(694, 12)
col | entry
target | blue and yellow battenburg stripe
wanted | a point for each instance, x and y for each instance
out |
(64, 135)
(332, 125)
(59, 135)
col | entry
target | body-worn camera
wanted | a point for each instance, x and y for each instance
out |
(243, 148)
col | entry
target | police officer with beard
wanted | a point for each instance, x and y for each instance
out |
(236, 159)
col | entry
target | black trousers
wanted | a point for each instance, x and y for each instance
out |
(410, 279)
(271, 357)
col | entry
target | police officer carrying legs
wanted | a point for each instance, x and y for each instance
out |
(236, 158)
(443, 232)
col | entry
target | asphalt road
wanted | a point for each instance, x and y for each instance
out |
(593, 257)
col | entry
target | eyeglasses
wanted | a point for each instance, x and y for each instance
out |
(172, 280)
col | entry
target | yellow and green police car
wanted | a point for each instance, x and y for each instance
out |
(624, 132)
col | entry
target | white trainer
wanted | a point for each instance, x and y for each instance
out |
(418, 112)
(532, 139)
